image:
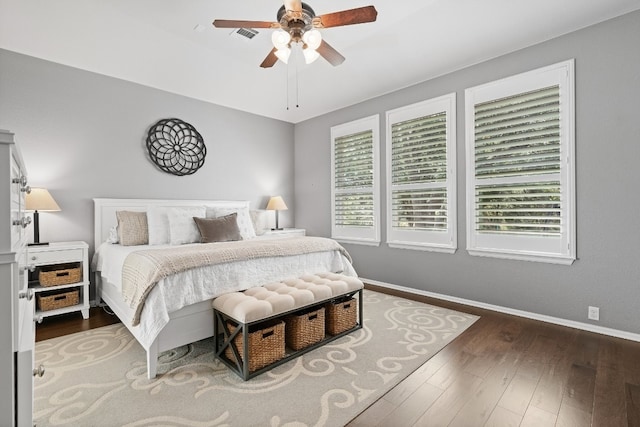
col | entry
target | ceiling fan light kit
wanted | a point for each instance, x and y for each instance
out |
(312, 39)
(280, 39)
(310, 55)
(283, 54)
(298, 23)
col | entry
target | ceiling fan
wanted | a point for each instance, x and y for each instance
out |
(298, 23)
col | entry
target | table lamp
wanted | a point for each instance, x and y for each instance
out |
(276, 204)
(39, 200)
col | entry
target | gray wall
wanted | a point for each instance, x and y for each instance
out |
(82, 135)
(607, 272)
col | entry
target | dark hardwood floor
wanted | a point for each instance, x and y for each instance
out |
(503, 371)
(71, 323)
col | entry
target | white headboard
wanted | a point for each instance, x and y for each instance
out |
(105, 210)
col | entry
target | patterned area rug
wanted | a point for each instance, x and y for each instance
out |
(98, 377)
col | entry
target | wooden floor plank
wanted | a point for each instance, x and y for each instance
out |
(409, 411)
(558, 361)
(579, 391)
(501, 417)
(480, 405)
(71, 323)
(570, 416)
(535, 417)
(518, 394)
(445, 408)
(632, 402)
(609, 396)
(374, 414)
(410, 384)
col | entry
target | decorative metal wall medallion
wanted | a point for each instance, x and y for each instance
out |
(176, 147)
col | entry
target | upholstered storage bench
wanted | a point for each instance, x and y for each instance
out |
(297, 303)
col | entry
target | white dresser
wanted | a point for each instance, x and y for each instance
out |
(17, 328)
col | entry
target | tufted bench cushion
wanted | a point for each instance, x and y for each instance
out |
(279, 297)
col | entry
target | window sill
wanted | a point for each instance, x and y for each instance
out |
(547, 258)
(357, 241)
(422, 247)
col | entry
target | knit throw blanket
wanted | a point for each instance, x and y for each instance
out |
(143, 269)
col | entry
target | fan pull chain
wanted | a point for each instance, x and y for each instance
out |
(297, 86)
(286, 75)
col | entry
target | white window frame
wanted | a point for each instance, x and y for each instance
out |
(552, 249)
(358, 235)
(428, 240)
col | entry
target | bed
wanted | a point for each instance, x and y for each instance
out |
(178, 308)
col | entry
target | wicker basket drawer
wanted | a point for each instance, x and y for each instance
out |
(61, 274)
(341, 315)
(304, 329)
(52, 300)
(266, 344)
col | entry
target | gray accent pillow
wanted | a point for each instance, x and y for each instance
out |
(132, 228)
(222, 229)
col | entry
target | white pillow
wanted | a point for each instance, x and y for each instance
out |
(182, 227)
(158, 223)
(113, 235)
(261, 220)
(244, 219)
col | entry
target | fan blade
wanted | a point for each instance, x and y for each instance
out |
(229, 23)
(330, 54)
(293, 5)
(359, 15)
(270, 60)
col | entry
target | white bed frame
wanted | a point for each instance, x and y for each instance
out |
(187, 325)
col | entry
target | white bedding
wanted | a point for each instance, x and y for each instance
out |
(204, 283)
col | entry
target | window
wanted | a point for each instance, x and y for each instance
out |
(520, 166)
(355, 181)
(421, 185)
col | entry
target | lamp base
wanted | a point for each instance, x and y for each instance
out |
(277, 229)
(38, 244)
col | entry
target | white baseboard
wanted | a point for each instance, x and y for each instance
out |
(520, 313)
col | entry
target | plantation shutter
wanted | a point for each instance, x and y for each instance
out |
(518, 138)
(354, 181)
(419, 156)
(420, 168)
(520, 151)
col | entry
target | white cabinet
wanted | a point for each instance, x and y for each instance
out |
(17, 332)
(63, 259)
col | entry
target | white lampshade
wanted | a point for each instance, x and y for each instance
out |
(39, 199)
(276, 204)
(310, 55)
(283, 54)
(312, 39)
(280, 39)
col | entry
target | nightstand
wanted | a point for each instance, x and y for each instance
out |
(286, 232)
(60, 278)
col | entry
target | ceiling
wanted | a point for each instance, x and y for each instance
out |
(171, 45)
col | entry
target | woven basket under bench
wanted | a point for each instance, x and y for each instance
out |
(304, 329)
(342, 315)
(266, 344)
